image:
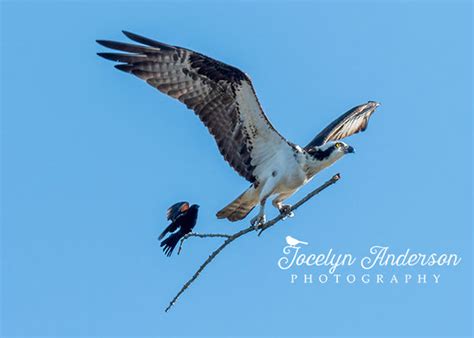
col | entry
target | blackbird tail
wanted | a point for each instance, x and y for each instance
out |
(170, 243)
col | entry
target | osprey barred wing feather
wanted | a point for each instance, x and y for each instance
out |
(221, 95)
(224, 99)
(349, 123)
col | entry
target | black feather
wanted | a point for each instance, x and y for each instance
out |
(170, 243)
(120, 57)
(147, 41)
(169, 229)
(176, 210)
(126, 47)
(124, 68)
(183, 219)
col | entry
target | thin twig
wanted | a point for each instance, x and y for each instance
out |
(195, 234)
(231, 238)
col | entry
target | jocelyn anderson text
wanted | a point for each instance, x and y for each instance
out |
(378, 256)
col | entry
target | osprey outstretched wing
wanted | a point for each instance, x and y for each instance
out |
(224, 99)
(221, 95)
(349, 123)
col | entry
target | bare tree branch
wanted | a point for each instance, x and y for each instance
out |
(295, 206)
(195, 234)
(233, 237)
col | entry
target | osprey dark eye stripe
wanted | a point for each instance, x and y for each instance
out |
(224, 99)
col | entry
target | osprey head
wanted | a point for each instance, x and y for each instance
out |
(331, 151)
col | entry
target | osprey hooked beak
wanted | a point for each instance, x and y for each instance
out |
(349, 150)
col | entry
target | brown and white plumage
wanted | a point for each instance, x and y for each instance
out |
(221, 95)
(353, 121)
(224, 99)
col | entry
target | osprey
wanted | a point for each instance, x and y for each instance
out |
(224, 99)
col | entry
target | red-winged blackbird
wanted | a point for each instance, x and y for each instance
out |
(183, 219)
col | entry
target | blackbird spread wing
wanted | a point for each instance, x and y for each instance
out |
(175, 210)
(173, 214)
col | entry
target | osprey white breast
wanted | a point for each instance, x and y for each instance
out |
(224, 99)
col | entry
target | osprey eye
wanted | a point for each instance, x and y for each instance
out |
(338, 145)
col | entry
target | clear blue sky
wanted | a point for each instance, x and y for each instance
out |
(92, 157)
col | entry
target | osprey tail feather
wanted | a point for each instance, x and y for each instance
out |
(241, 206)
